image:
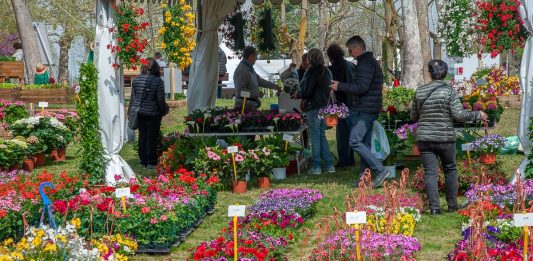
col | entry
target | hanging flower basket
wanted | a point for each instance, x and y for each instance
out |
(178, 32)
(488, 158)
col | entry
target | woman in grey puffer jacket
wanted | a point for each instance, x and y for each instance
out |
(148, 93)
(435, 107)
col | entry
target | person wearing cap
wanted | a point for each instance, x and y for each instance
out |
(41, 74)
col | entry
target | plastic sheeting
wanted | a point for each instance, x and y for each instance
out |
(526, 80)
(204, 69)
(110, 97)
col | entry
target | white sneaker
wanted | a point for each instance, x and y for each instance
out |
(331, 169)
(316, 171)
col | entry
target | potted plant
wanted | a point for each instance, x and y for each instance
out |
(12, 153)
(332, 113)
(406, 133)
(242, 174)
(488, 146)
(261, 163)
(36, 150)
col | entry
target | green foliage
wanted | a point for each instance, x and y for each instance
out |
(13, 112)
(179, 96)
(529, 168)
(49, 130)
(6, 85)
(45, 86)
(7, 59)
(92, 161)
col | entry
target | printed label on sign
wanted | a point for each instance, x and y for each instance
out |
(245, 94)
(123, 192)
(233, 149)
(288, 137)
(466, 147)
(523, 220)
(236, 211)
(355, 217)
(43, 104)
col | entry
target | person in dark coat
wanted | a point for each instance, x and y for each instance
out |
(148, 91)
(436, 106)
(303, 67)
(364, 99)
(315, 93)
(342, 71)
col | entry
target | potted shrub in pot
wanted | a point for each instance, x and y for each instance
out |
(488, 146)
(12, 153)
(239, 182)
(261, 163)
(36, 150)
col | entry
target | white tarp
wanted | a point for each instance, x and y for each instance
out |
(526, 80)
(204, 69)
(110, 96)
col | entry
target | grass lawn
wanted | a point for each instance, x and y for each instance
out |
(437, 234)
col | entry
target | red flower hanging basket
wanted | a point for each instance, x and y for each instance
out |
(332, 121)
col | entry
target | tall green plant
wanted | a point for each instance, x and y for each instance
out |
(529, 167)
(92, 162)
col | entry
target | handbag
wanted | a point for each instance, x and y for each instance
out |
(133, 121)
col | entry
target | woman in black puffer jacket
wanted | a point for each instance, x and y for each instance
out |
(148, 92)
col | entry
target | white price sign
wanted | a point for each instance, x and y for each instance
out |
(123, 192)
(523, 220)
(466, 147)
(355, 217)
(288, 138)
(245, 94)
(43, 104)
(236, 211)
(233, 149)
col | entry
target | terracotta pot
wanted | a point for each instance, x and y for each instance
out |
(239, 187)
(488, 159)
(39, 159)
(14, 167)
(28, 165)
(59, 154)
(415, 151)
(332, 121)
(264, 182)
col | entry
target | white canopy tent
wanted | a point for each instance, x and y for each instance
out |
(526, 80)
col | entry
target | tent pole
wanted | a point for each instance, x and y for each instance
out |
(199, 15)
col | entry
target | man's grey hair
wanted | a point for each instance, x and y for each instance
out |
(356, 41)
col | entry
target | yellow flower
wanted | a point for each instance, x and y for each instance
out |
(163, 45)
(61, 238)
(163, 6)
(8, 241)
(50, 248)
(168, 19)
(167, 14)
(36, 242)
(76, 222)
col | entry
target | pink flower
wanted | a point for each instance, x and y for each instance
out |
(145, 210)
(164, 218)
(153, 221)
(239, 158)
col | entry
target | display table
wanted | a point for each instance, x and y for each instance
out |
(297, 138)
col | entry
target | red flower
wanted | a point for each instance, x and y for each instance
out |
(145, 210)
(199, 120)
(213, 180)
(106, 205)
(60, 206)
(125, 27)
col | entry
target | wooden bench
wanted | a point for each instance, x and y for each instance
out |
(11, 70)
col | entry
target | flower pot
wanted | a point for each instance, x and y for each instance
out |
(264, 182)
(488, 158)
(28, 165)
(392, 170)
(58, 154)
(279, 173)
(415, 150)
(292, 168)
(239, 186)
(332, 121)
(39, 159)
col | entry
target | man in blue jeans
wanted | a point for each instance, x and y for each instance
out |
(364, 97)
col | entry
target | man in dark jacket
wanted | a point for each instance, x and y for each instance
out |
(364, 98)
(435, 107)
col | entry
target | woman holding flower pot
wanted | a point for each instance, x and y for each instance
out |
(435, 107)
(315, 93)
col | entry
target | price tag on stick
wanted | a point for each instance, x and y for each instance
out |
(43, 105)
(233, 150)
(526, 221)
(467, 147)
(356, 218)
(287, 138)
(122, 193)
(236, 211)
(244, 95)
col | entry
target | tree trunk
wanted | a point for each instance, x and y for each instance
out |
(437, 44)
(423, 28)
(322, 25)
(388, 48)
(27, 37)
(64, 45)
(412, 73)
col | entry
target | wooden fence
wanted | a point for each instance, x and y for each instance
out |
(52, 96)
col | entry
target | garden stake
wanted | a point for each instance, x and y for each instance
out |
(357, 242)
(123, 200)
(243, 104)
(235, 237)
(526, 241)
(286, 145)
(234, 165)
